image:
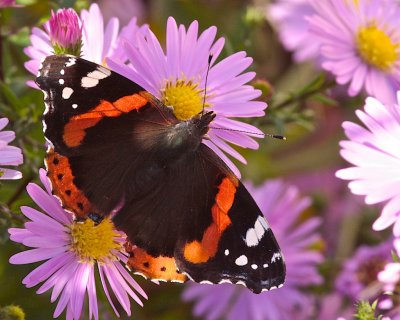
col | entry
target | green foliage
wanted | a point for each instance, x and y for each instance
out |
(300, 107)
(366, 311)
(12, 313)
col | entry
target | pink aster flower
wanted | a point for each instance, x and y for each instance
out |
(331, 307)
(293, 27)
(9, 155)
(72, 252)
(282, 206)
(358, 278)
(390, 279)
(124, 10)
(9, 3)
(322, 185)
(375, 153)
(360, 44)
(177, 78)
(65, 32)
(98, 41)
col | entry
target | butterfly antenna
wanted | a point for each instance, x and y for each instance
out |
(275, 136)
(205, 84)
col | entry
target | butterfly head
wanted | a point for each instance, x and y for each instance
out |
(202, 121)
(187, 135)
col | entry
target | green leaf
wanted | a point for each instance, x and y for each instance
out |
(395, 256)
(325, 100)
(12, 313)
(10, 97)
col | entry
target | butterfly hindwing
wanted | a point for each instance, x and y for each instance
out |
(246, 253)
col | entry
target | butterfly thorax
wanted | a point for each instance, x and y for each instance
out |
(187, 135)
(175, 140)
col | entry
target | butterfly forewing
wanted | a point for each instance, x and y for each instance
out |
(73, 87)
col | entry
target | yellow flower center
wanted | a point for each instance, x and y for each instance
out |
(376, 47)
(185, 97)
(94, 242)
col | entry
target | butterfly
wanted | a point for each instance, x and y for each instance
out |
(115, 149)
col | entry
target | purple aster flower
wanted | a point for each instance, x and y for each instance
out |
(331, 307)
(65, 32)
(358, 278)
(9, 155)
(390, 280)
(360, 44)
(98, 42)
(124, 10)
(327, 189)
(293, 27)
(177, 78)
(73, 251)
(282, 206)
(375, 153)
(9, 3)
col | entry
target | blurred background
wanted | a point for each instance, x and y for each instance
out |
(302, 106)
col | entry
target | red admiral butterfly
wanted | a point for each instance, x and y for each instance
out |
(113, 147)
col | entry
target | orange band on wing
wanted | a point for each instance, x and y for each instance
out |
(75, 129)
(160, 268)
(202, 251)
(62, 181)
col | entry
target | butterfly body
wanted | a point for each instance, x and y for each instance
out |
(117, 150)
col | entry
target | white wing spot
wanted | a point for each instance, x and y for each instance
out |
(259, 229)
(241, 283)
(97, 74)
(226, 252)
(255, 234)
(92, 78)
(46, 108)
(241, 261)
(225, 281)
(61, 81)
(254, 266)
(62, 71)
(251, 238)
(89, 82)
(74, 106)
(265, 265)
(70, 62)
(276, 256)
(45, 95)
(44, 127)
(263, 222)
(104, 71)
(66, 93)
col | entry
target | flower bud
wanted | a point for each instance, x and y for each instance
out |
(65, 32)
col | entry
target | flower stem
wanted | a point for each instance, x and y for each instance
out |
(304, 94)
(21, 189)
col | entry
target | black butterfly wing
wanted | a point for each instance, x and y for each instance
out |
(74, 87)
(90, 117)
(203, 218)
(238, 246)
